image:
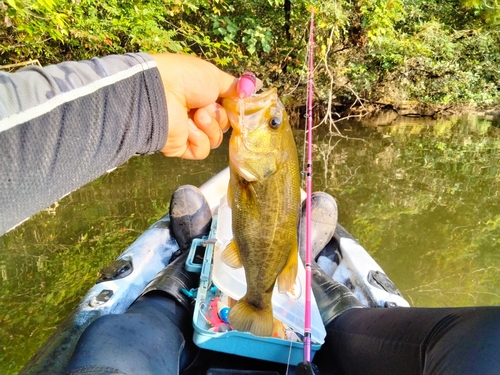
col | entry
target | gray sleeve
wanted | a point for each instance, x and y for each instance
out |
(64, 125)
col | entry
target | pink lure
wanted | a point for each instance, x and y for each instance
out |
(246, 85)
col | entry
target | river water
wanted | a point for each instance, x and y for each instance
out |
(421, 196)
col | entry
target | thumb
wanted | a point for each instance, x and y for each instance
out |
(227, 85)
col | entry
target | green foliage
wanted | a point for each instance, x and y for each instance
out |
(380, 18)
(54, 30)
(437, 52)
(433, 51)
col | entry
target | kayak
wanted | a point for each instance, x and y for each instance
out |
(123, 281)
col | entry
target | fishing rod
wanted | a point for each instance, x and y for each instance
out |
(309, 116)
(306, 367)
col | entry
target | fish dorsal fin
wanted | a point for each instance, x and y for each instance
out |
(286, 279)
(231, 255)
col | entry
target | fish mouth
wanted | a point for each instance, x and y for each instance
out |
(252, 107)
(257, 101)
(251, 149)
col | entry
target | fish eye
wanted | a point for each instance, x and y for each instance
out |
(275, 122)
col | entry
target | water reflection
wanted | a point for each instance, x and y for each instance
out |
(421, 196)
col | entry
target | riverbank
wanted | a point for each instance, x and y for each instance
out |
(386, 113)
(380, 113)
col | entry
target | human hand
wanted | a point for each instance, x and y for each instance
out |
(196, 122)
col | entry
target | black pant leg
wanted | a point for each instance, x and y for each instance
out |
(413, 341)
(148, 340)
(466, 341)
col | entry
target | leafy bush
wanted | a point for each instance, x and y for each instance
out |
(389, 50)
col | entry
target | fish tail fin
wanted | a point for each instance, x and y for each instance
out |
(286, 279)
(246, 318)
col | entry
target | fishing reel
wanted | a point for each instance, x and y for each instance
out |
(307, 368)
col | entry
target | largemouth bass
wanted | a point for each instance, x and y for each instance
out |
(264, 195)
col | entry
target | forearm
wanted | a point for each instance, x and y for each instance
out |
(65, 125)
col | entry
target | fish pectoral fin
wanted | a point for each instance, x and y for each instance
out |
(229, 196)
(286, 279)
(231, 255)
